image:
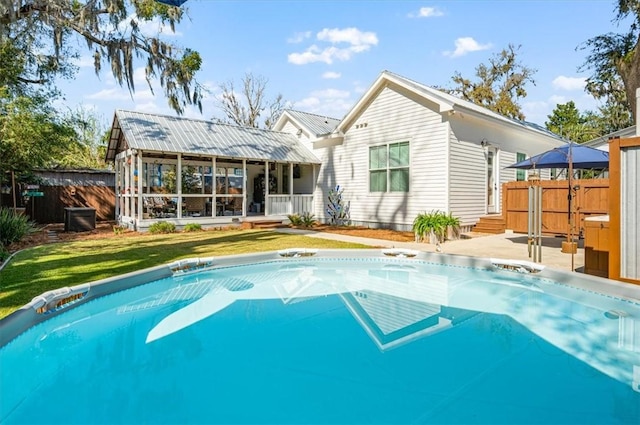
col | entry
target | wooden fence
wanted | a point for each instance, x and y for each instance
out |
(63, 189)
(50, 207)
(591, 197)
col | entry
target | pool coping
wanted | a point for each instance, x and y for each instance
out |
(51, 303)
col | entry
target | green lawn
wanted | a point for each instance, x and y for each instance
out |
(36, 270)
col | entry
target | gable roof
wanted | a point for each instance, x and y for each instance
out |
(445, 102)
(316, 125)
(163, 133)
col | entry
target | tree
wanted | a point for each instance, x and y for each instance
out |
(500, 84)
(613, 59)
(31, 135)
(246, 108)
(567, 121)
(38, 42)
(88, 148)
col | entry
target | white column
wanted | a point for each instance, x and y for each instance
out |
(266, 188)
(140, 178)
(291, 188)
(214, 187)
(244, 188)
(179, 187)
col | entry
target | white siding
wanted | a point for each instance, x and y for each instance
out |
(468, 186)
(629, 213)
(468, 178)
(291, 128)
(390, 117)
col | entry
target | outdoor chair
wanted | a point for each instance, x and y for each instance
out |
(194, 206)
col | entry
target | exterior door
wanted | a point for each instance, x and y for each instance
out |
(492, 181)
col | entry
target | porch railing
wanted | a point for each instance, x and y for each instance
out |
(289, 204)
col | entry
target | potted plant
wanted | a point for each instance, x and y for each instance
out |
(453, 227)
(430, 226)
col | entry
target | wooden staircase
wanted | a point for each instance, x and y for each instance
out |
(264, 224)
(493, 223)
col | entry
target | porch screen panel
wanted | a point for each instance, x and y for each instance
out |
(378, 168)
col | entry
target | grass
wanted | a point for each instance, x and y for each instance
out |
(36, 270)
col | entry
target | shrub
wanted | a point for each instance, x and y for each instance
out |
(453, 227)
(4, 253)
(432, 225)
(337, 210)
(192, 227)
(295, 219)
(162, 227)
(308, 219)
(14, 227)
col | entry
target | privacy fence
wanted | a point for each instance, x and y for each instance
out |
(590, 197)
(57, 190)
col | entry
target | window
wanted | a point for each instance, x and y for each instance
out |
(389, 168)
(521, 175)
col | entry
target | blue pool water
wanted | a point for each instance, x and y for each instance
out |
(327, 341)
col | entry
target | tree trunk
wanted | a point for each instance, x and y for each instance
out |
(629, 71)
(13, 190)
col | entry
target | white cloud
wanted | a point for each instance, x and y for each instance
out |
(299, 37)
(120, 94)
(569, 83)
(330, 94)
(357, 42)
(352, 36)
(150, 107)
(330, 75)
(333, 103)
(426, 12)
(465, 45)
(84, 62)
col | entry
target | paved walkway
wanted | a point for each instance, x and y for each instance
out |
(505, 246)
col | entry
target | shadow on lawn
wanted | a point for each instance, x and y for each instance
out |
(124, 255)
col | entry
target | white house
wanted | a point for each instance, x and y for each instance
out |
(184, 171)
(406, 148)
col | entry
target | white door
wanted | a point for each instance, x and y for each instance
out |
(492, 180)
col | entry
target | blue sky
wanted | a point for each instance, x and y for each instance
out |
(322, 55)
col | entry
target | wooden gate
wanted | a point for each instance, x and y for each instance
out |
(591, 197)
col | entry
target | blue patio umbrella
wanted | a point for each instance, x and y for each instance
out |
(176, 3)
(570, 155)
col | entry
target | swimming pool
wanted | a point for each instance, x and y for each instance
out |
(334, 337)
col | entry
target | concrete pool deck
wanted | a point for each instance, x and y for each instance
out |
(511, 246)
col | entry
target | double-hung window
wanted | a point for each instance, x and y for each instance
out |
(389, 167)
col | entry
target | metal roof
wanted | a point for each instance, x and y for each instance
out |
(319, 125)
(169, 134)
